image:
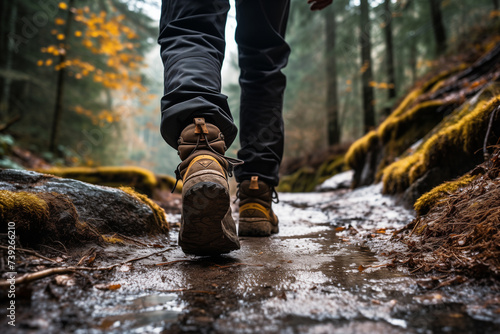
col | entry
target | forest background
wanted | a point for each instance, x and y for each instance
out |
(81, 82)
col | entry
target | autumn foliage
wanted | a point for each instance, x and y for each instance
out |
(111, 57)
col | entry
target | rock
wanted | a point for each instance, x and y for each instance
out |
(46, 208)
(339, 181)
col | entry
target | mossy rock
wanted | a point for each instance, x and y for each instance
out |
(52, 209)
(302, 180)
(453, 144)
(307, 179)
(434, 133)
(138, 178)
(431, 198)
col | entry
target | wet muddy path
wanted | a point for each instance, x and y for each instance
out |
(325, 272)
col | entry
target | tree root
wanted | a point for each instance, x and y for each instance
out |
(30, 277)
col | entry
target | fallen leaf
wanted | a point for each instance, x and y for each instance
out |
(340, 228)
(108, 286)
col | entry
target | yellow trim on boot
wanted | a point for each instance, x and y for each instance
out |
(198, 158)
(255, 206)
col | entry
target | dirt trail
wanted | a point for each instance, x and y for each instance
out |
(315, 276)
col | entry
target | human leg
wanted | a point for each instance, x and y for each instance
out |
(263, 53)
(195, 115)
(192, 50)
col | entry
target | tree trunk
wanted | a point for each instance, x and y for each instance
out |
(4, 9)
(5, 98)
(60, 82)
(438, 26)
(413, 61)
(366, 63)
(391, 77)
(495, 4)
(332, 100)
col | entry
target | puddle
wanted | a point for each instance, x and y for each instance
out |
(144, 313)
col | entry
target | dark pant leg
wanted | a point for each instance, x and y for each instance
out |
(192, 49)
(263, 53)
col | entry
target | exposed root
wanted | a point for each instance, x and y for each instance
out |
(31, 252)
(30, 277)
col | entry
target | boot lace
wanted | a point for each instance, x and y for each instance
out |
(232, 162)
(274, 195)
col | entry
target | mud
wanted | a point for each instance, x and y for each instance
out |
(328, 271)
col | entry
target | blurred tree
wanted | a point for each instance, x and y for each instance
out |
(389, 51)
(61, 76)
(366, 68)
(332, 101)
(99, 60)
(438, 26)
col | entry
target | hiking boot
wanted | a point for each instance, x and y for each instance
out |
(257, 218)
(207, 227)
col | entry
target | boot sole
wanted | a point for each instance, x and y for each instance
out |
(204, 207)
(256, 227)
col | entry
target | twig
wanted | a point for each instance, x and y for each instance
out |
(415, 270)
(238, 264)
(171, 262)
(414, 227)
(187, 290)
(485, 145)
(30, 252)
(65, 249)
(54, 249)
(26, 278)
(143, 257)
(131, 239)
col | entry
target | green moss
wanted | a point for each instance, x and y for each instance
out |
(159, 213)
(23, 205)
(355, 156)
(398, 131)
(112, 239)
(307, 178)
(302, 180)
(139, 178)
(452, 144)
(396, 127)
(167, 182)
(431, 198)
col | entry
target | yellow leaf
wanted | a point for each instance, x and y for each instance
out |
(48, 62)
(63, 5)
(60, 37)
(59, 21)
(39, 63)
(78, 33)
(78, 76)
